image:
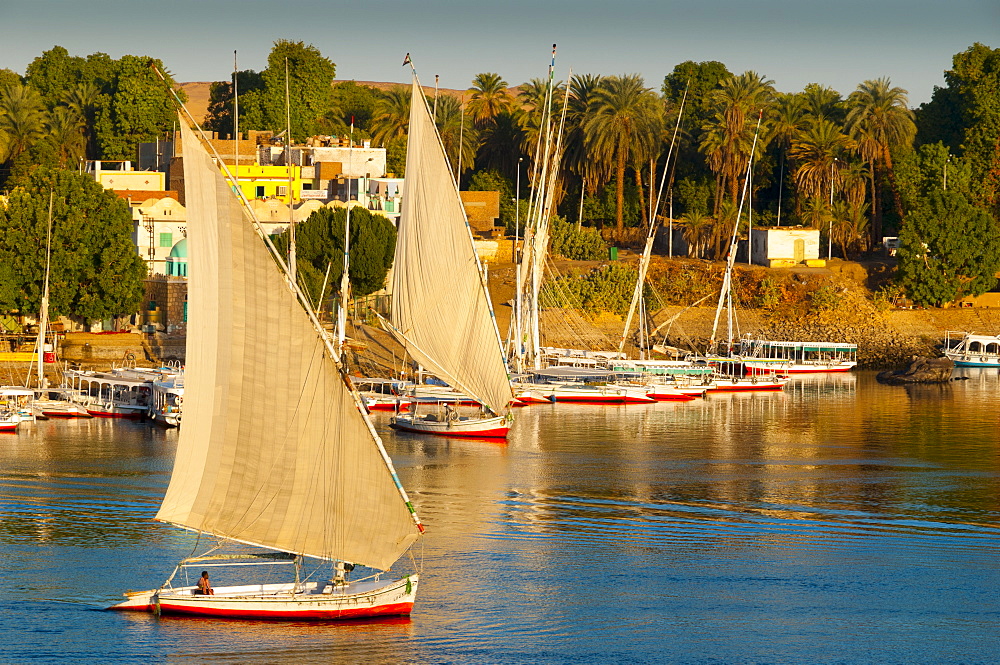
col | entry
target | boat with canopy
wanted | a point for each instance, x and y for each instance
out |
(306, 483)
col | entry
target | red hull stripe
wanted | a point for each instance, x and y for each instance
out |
(671, 398)
(103, 414)
(397, 609)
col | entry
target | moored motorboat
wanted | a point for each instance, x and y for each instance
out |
(971, 350)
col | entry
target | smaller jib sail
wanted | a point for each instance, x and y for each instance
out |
(274, 451)
(440, 308)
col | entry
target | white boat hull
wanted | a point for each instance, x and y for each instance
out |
(786, 367)
(359, 600)
(495, 427)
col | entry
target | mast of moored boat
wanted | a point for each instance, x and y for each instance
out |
(43, 316)
(725, 294)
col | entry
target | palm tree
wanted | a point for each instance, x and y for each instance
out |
(818, 152)
(453, 130)
(532, 99)
(22, 119)
(879, 121)
(789, 119)
(501, 145)
(697, 231)
(816, 212)
(625, 115)
(581, 92)
(489, 98)
(84, 99)
(822, 102)
(392, 115)
(66, 130)
(739, 102)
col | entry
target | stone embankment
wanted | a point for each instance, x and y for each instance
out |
(921, 370)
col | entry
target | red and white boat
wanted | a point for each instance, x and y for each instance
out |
(452, 424)
(770, 356)
(9, 420)
(441, 311)
(313, 484)
(338, 600)
(735, 384)
(665, 392)
(600, 394)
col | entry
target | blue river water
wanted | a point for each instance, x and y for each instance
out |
(840, 521)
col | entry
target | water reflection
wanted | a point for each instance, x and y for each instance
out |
(860, 519)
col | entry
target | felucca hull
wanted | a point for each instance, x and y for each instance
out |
(477, 428)
(355, 601)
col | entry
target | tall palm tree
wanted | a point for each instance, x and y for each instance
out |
(22, 118)
(789, 119)
(456, 130)
(392, 115)
(489, 98)
(879, 120)
(738, 101)
(575, 156)
(818, 152)
(84, 99)
(624, 116)
(532, 98)
(66, 130)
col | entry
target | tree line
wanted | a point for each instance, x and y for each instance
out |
(858, 165)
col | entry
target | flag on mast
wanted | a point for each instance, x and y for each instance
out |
(406, 60)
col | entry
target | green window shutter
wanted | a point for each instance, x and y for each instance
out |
(166, 240)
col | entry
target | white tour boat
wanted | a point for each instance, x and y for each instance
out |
(971, 350)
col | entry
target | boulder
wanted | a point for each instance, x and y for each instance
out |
(921, 370)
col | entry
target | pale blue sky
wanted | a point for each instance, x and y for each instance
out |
(794, 42)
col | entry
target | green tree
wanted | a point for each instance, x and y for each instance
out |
(965, 116)
(455, 128)
(140, 107)
(728, 135)
(319, 244)
(819, 152)
(310, 84)
(352, 100)
(948, 249)
(95, 270)
(931, 168)
(220, 102)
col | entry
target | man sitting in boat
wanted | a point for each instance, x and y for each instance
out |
(204, 586)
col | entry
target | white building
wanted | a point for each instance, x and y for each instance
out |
(781, 247)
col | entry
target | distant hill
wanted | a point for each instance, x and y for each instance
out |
(197, 103)
(198, 91)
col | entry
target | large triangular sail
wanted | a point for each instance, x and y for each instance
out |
(274, 451)
(440, 308)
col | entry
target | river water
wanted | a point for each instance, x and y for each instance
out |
(840, 521)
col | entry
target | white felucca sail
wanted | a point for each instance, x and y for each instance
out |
(274, 451)
(441, 311)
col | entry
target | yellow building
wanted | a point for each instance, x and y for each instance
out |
(269, 182)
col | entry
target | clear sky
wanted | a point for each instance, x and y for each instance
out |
(838, 43)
